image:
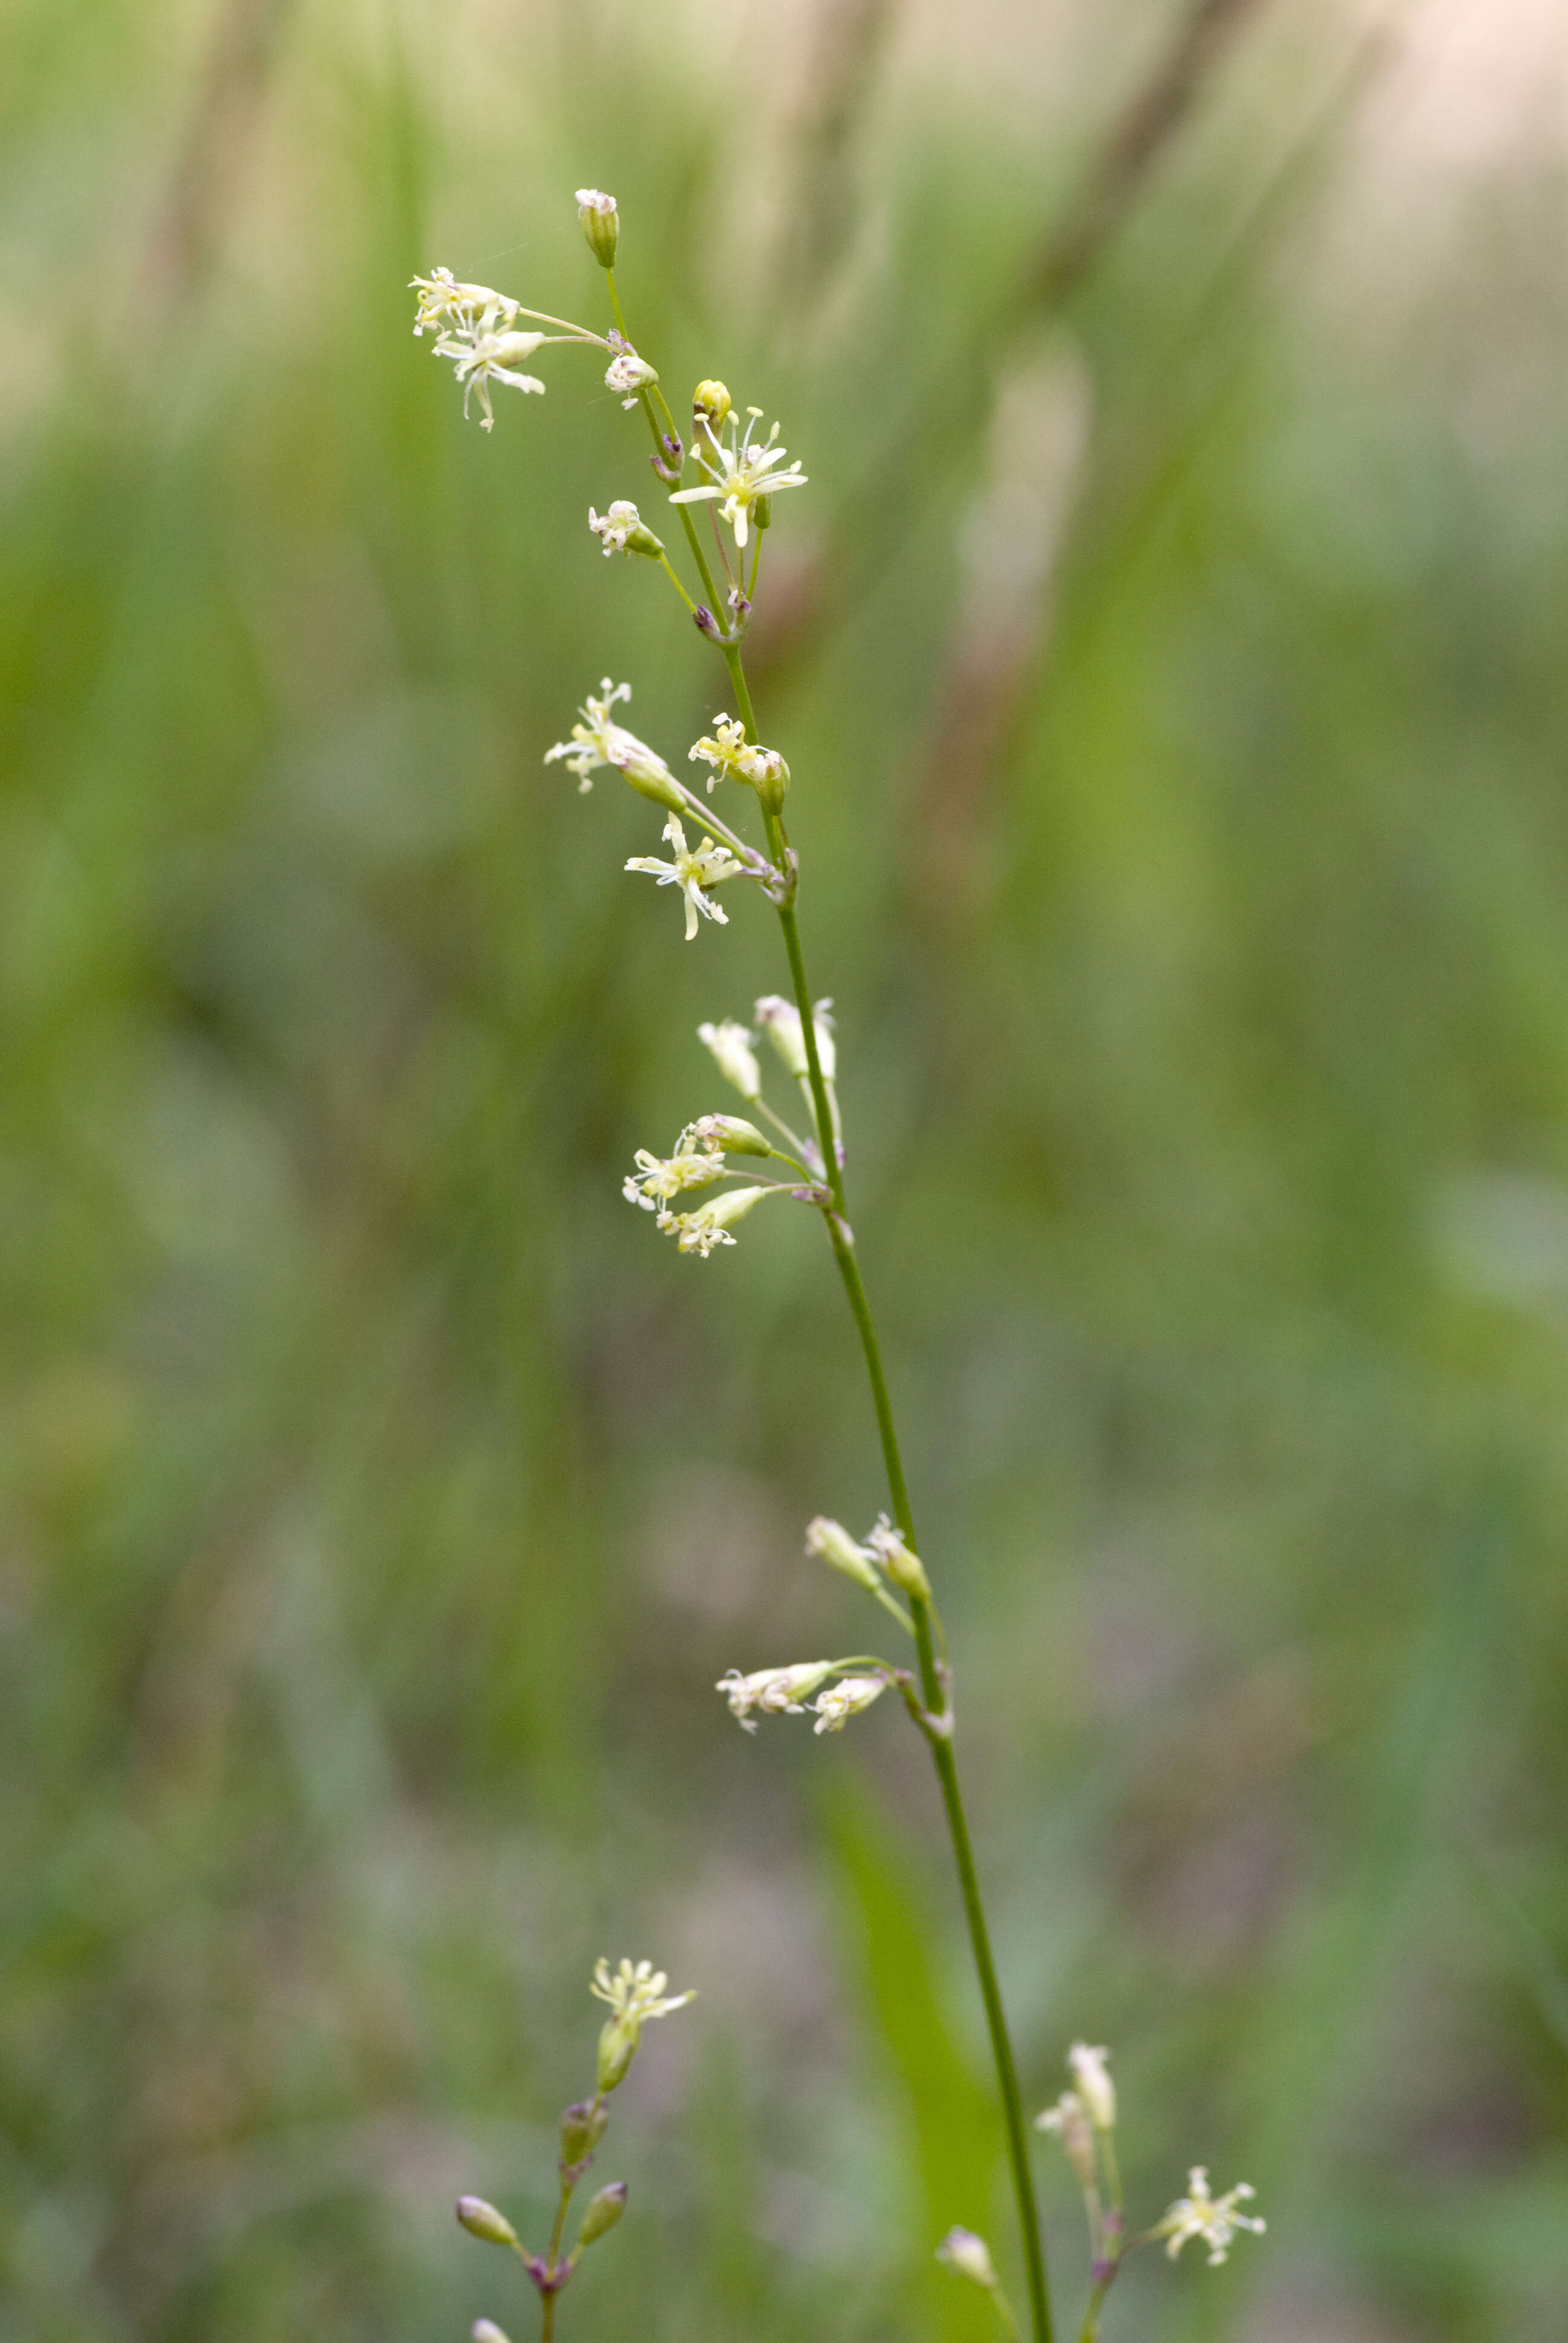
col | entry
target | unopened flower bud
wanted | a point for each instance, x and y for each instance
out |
(706, 623)
(734, 1056)
(762, 512)
(905, 1568)
(736, 1136)
(710, 404)
(780, 1020)
(484, 2330)
(832, 1543)
(769, 777)
(582, 2128)
(482, 2220)
(617, 2050)
(603, 2213)
(969, 2255)
(1095, 2088)
(601, 224)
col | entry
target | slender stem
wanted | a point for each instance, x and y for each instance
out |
(1089, 2329)
(664, 565)
(615, 305)
(932, 1681)
(546, 2317)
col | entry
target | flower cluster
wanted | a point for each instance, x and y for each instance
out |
(476, 327)
(785, 1692)
(1084, 2120)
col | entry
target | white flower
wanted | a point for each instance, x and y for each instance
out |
(622, 529)
(846, 1699)
(737, 472)
(699, 1231)
(1213, 2219)
(693, 873)
(733, 759)
(483, 358)
(635, 1995)
(777, 1692)
(969, 2255)
(1095, 2088)
(658, 1178)
(445, 301)
(734, 1056)
(832, 1543)
(598, 740)
(1068, 2121)
(780, 1021)
(474, 325)
(627, 374)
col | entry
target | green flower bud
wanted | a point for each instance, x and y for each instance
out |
(603, 2214)
(832, 1543)
(482, 2220)
(617, 2050)
(729, 1131)
(762, 512)
(601, 224)
(582, 2128)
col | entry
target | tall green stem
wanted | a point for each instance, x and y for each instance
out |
(932, 1683)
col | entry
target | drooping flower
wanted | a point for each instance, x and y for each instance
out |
(777, 1692)
(1095, 2088)
(1215, 2219)
(658, 1177)
(445, 300)
(739, 474)
(622, 529)
(694, 872)
(483, 358)
(830, 1542)
(598, 740)
(847, 1698)
(734, 1056)
(900, 1561)
(709, 1225)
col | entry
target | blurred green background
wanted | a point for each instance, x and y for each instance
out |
(1169, 651)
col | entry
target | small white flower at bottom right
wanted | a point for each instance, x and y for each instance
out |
(1215, 2219)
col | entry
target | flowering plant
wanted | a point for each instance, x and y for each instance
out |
(740, 472)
